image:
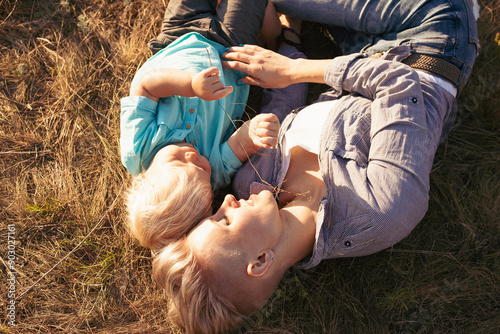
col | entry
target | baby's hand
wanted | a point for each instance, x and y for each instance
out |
(207, 85)
(259, 132)
(263, 130)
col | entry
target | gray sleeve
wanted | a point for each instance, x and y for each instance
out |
(377, 156)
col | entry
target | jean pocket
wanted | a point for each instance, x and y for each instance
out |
(430, 45)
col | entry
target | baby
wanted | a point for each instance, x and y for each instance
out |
(178, 134)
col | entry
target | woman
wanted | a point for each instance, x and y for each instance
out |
(350, 173)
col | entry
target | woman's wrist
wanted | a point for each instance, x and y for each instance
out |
(308, 70)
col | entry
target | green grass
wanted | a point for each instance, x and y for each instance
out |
(64, 67)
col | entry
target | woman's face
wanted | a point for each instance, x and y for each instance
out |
(244, 226)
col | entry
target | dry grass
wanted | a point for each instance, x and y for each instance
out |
(64, 67)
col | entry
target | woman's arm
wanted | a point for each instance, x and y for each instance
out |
(269, 69)
(381, 178)
(169, 82)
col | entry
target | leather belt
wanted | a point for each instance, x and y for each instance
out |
(434, 65)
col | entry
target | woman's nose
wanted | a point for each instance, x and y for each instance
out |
(230, 201)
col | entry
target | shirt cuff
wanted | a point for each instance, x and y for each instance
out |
(229, 158)
(141, 102)
(336, 70)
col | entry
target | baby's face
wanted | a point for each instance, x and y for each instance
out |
(180, 155)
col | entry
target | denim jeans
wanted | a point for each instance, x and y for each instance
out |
(441, 28)
(231, 22)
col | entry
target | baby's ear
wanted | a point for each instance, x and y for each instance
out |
(139, 179)
(258, 266)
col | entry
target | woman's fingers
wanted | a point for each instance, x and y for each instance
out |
(264, 68)
(250, 81)
(236, 65)
(239, 56)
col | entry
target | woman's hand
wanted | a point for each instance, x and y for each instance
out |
(265, 68)
(269, 69)
(207, 85)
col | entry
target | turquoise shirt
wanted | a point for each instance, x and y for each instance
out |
(147, 126)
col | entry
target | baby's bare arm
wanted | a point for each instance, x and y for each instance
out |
(164, 83)
(169, 82)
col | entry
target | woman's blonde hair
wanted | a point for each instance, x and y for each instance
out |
(158, 217)
(193, 304)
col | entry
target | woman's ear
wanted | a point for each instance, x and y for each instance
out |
(259, 265)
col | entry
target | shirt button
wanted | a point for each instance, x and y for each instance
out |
(188, 126)
(191, 110)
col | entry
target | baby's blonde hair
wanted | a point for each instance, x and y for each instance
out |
(193, 304)
(158, 217)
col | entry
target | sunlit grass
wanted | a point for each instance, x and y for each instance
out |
(64, 67)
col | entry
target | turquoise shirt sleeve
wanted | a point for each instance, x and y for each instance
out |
(138, 128)
(228, 163)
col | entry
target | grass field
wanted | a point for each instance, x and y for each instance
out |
(65, 65)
